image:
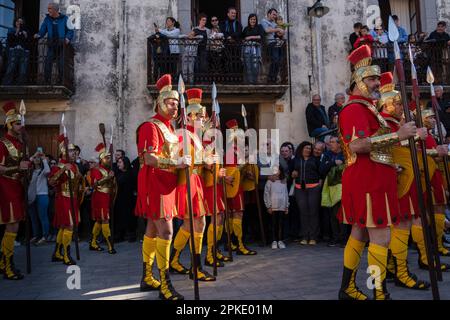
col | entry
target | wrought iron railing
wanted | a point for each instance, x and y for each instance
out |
(218, 60)
(41, 63)
(433, 54)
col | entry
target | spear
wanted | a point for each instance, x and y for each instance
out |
(435, 105)
(214, 249)
(23, 111)
(181, 89)
(258, 204)
(69, 181)
(224, 184)
(431, 250)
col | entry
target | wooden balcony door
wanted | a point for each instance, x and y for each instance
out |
(45, 137)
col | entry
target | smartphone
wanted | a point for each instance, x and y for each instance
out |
(39, 149)
(155, 25)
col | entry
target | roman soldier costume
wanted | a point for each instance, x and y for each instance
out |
(367, 201)
(104, 186)
(199, 206)
(406, 188)
(157, 185)
(235, 192)
(65, 219)
(12, 209)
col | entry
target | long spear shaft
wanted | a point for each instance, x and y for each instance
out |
(188, 189)
(435, 274)
(25, 186)
(214, 248)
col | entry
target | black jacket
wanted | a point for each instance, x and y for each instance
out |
(231, 29)
(328, 162)
(443, 115)
(315, 118)
(308, 170)
(439, 37)
(20, 39)
(333, 111)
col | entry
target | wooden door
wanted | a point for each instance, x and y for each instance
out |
(45, 137)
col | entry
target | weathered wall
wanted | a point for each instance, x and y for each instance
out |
(443, 10)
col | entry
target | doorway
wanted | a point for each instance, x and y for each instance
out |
(217, 8)
(233, 111)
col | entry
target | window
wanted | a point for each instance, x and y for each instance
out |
(6, 16)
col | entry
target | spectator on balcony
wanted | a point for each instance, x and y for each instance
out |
(403, 35)
(273, 31)
(59, 31)
(443, 108)
(232, 30)
(251, 48)
(439, 35)
(316, 117)
(172, 32)
(333, 111)
(381, 39)
(18, 53)
(356, 33)
(203, 33)
(364, 38)
(215, 48)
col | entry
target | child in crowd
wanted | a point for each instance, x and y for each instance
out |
(365, 38)
(276, 199)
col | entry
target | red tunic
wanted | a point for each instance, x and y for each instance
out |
(11, 189)
(100, 201)
(156, 198)
(409, 204)
(437, 180)
(63, 207)
(369, 188)
(199, 204)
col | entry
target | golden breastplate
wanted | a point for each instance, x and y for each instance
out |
(75, 183)
(12, 159)
(107, 186)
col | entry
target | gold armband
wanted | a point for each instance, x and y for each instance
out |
(103, 181)
(11, 170)
(434, 153)
(405, 143)
(385, 140)
(166, 163)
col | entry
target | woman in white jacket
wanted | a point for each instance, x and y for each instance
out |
(276, 199)
(38, 198)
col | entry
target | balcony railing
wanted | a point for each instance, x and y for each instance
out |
(43, 65)
(433, 54)
(202, 62)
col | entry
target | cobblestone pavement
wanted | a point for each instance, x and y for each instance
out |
(295, 273)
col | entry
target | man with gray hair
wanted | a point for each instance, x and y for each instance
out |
(59, 31)
(444, 110)
(339, 100)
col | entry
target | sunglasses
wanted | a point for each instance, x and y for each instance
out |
(214, 20)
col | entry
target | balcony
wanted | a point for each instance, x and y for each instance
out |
(433, 54)
(228, 64)
(48, 71)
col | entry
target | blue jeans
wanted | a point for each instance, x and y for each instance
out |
(317, 132)
(17, 58)
(252, 57)
(38, 212)
(275, 57)
(54, 52)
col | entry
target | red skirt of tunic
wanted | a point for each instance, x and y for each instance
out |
(409, 205)
(199, 205)
(100, 202)
(237, 203)
(156, 197)
(63, 212)
(437, 186)
(208, 192)
(369, 194)
(11, 201)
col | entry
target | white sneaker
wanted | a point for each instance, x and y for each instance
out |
(274, 245)
(16, 244)
(41, 241)
(281, 245)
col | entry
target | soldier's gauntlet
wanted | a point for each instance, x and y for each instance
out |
(11, 170)
(385, 140)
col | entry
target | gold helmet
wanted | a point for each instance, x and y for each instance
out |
(103, 154)
(164, 85)
(361, 59)
(11, 114)
(389, 96)
(428, 113)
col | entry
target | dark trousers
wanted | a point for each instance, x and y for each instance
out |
(339, 231)
(54, 53)
(277, 225)
(17, 59)
(275, 59)
(292, 223)
(308, 202)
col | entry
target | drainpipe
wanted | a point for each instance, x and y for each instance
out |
(289, 56)
(319, 64)
(121, 74)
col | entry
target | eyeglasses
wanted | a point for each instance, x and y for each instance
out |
(214, 20)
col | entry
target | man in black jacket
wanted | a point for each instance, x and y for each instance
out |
(232, 30)
(444, 108)
(333, 110)
(439, 35)
(316, 117)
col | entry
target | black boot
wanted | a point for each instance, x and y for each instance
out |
(155, 285)
(111, 249)
(68, 260)
(202, 275)
(11, 273)
(57, 255)
(349, 290)
(93, 246)
(2, 263)
(166, 291)
(175, 265)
